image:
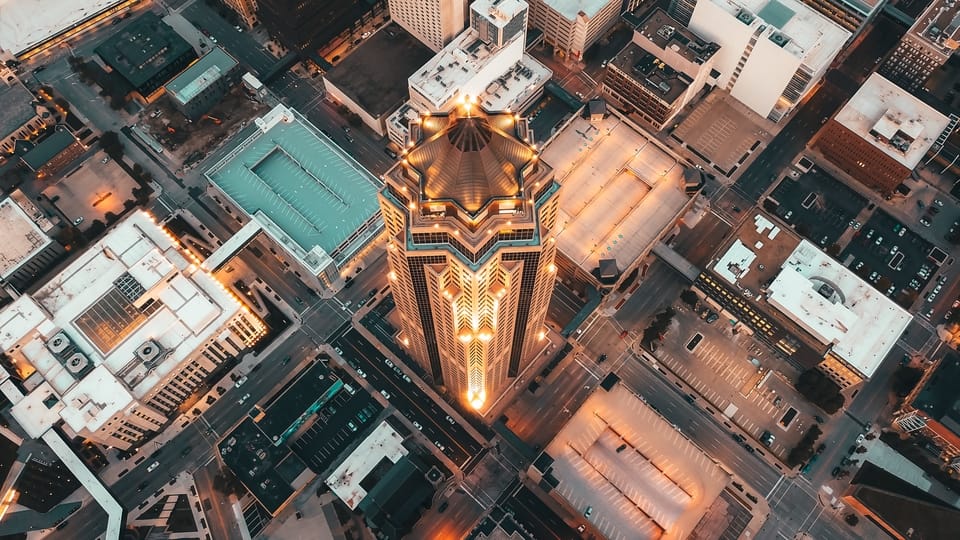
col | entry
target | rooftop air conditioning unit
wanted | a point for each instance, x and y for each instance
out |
(149, 351)
(58, 343)
(76, 363)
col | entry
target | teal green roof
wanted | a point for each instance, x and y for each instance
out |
(301, 180)
(193, 80)
(57, 142)
(776, 14)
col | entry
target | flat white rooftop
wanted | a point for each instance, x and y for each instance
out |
(132, 306)
(860, 322)
(22, 238)
(25, 23)
(383, 443)
(571, 8)
(814, 38)
(883, 108)
(660, 484)
(621, 191)
(466, 65)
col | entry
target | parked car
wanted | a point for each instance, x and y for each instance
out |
(712, 317)
(767, 439)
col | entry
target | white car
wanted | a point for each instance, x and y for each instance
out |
(361, 373)
(153, 466)
(385, 394)
(243, 400)
(339, 350)
(440, 446)
(240, 381)
(388, 362)
(417, 425)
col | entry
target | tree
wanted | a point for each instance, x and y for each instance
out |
(804, 449)
(689, 298)
(820, 390)
(851, 519)
(904, 379)
(110, 143)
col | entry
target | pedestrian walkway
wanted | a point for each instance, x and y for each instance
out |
(677, 261)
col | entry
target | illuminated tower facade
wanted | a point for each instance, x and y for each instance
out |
(470, 212)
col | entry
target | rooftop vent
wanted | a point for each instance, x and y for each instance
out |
(149, 351)
(779, 39)
(745, 16)
(76, 363)
(58, 343)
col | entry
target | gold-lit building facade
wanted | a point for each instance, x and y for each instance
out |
(470, 212)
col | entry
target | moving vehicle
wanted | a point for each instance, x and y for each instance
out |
(153, 466)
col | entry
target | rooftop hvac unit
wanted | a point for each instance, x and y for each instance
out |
(58, 343)
(149, 351)
(76, 363)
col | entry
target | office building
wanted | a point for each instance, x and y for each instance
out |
(317, 205)
(905, 510)
(27, 251)
(931, 411)
(572, 26)
(881, 134)
(202, 85)
(660, 71)
(486, 61)
(306, 25)
(929, 43)
(246, 10)
(112, 346)
(146, 54)
(433, 22)
(469, 215)
(772, 52)
(803, 302)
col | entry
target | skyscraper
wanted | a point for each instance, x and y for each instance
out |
(433, 22)
(470, 212)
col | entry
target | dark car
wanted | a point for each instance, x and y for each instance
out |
(821, 448)
(712, 317)
(443, 506)
(818, 419)
(602, 358)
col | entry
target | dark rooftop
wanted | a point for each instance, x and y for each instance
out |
(57, 142)
(904, 507)
(651, 73)
(666, 32)
(293, 404)
(266, 470)
(469, 156)
(16, 106)
(938, 397)
(397, 500)
(142, 49)
(375, 75)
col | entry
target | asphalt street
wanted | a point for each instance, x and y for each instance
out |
(238, 43)
(412, 402)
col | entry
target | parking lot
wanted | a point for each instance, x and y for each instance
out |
(733, 373)
(891, 257)
(337, 425)
(818, 206)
